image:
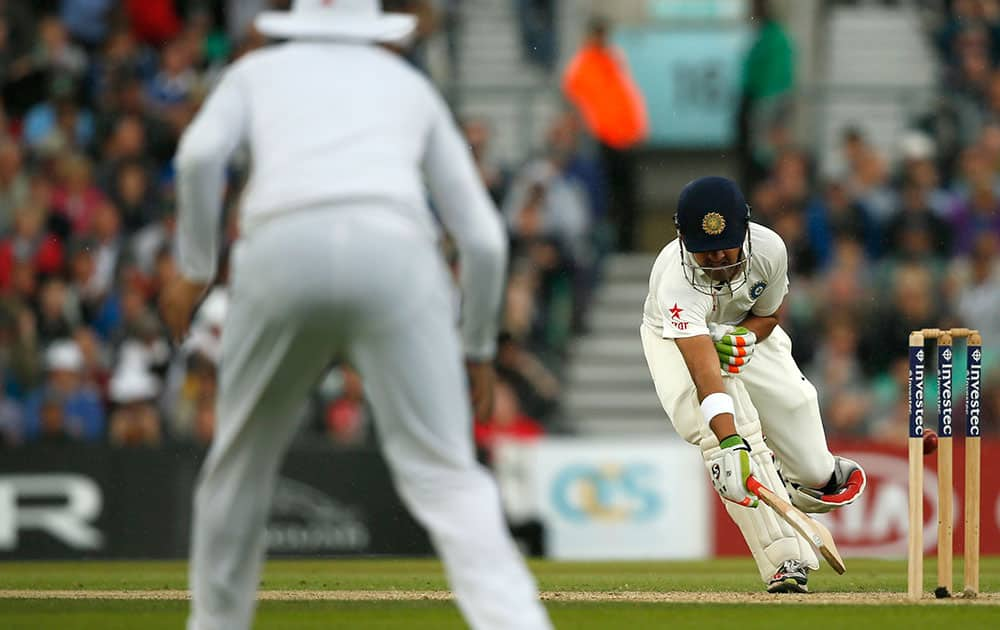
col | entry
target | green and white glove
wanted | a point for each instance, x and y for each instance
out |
(731, 468)
(734, 345)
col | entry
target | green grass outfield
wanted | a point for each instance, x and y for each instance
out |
(408, 594)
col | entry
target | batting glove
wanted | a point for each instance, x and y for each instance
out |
(734, 345)
(730, 469)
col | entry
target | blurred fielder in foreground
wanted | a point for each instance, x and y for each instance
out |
(338, 258)
(714, 294)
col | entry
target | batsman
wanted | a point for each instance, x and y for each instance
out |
(724, 373)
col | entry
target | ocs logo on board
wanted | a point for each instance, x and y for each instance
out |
(607, 493)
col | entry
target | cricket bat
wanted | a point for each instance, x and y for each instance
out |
(813, 531)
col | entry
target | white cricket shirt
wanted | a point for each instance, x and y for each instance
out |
(338, 123)
(674, 309)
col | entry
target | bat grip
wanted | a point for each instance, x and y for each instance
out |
(753, 485)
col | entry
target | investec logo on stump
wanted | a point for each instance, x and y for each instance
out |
(975, 378)
(916, 386)
(64, 506)
(944, 395)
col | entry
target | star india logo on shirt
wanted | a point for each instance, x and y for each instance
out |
(713, 224)
(675, 316)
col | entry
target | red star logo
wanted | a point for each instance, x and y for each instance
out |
(675, 312)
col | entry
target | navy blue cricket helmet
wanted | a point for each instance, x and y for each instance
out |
(712, 214)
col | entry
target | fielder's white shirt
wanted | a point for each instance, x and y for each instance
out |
(674, 309)
(339, 123)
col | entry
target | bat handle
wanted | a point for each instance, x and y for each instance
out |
(753, 485)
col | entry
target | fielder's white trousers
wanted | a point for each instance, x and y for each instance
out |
(773, 400)
(364, 284)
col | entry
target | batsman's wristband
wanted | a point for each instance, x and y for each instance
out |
(717, 403)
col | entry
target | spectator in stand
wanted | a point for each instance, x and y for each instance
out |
(134, 420)
(989, 143)
(31, 244)
(151, 246)
(868, 177)
(791, 182)
(121, 56)
(548, 223)
(913, 306)
(519, 309)
(969, 81)
(598, 82)
(344, 415)
(916, 232)
(539, 45)
(978, 298)
(96, 359)
(495, 176)
(768, 80)
(140, 335)
(564, 147)
(890, 403)
(20, 351)
(544, 202)
(152, 138)
(508, 422)
(14, 183)
(792, 179)
(990, 111)
(11, 418)
(191, 379)
(175, 83)
(973, 172)
(535, 386)
(209, 44)
(57, 315)
(6, 51)
(835, 214)
(190, 410)
(765, 202)
(919, 165)
(970, 75)
(87, 20)
(124, 142)
(962, 14)
(96, 309)
(76, 196)
(979, 213)
(54, 54)
(153, 22)
(108, 243)
(65, 408)
(58, 124)
(839, 379)
(791, 226)
(132, 193)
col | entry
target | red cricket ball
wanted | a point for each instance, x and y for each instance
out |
(930, 441)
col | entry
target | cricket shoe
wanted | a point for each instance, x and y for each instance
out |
(791, 577)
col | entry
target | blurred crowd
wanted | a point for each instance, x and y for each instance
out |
(95, 95)
(879, 248)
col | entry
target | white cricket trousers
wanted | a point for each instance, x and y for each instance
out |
(364, 284)
(772, 398)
